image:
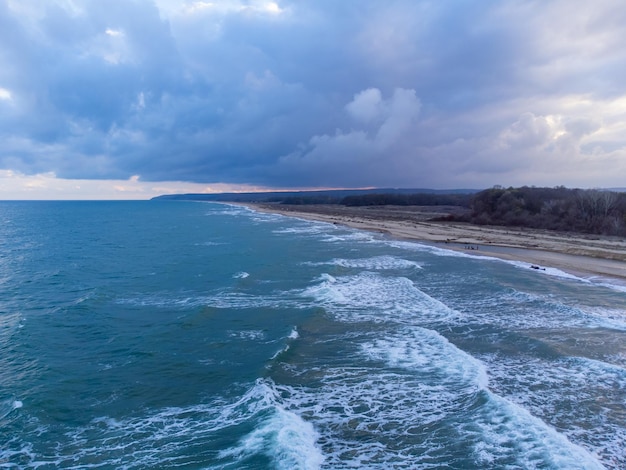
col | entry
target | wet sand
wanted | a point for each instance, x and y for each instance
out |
(579, 254)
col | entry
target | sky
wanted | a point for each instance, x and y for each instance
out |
(127, 99)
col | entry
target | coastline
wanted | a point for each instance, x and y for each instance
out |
(581, 255)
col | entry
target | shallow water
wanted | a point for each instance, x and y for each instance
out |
(193, 335)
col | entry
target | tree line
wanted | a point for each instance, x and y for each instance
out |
(580, 210)
(383, 199)
(563, 209)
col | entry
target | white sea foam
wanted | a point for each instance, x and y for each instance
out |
(235, 210)
(307, 229)
(607, 317)
(430, 353)
(546, 270)
(612, 284)
(505, 432)
(12, 451)
(241, 275)
(502, 431)
(293, 335)
(582, 315)
(8, 406)
(422, 247)
(351, 236)
(221, 299)
(370, 296)
(184, 437)
(371, 418)
(383, 417)
(254, 335)
(556, 394)
(379, 263)
(285, 438)
(325, 290)
(524, 310)
(211, 243)
(230, 210)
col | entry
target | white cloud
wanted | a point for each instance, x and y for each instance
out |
(222, 89)
(584, 146)
(112, 46)
(358, 155)
(196, 7)
(113, 32)
(5, 95)
(394, 116)
(222, 7)
(140, 103)
(402, 111)
(366, 106)
(273, 8)
(531, 131)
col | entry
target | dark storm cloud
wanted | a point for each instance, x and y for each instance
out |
(402, 93)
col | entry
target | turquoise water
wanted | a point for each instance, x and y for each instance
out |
(193, 335)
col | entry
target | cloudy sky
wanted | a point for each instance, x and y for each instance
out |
(131, 98)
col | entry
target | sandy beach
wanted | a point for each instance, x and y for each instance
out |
(579, 254)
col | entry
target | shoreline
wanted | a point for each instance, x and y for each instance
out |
(581, 255)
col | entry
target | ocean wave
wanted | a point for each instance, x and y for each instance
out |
(426, 248)
(9, 324)
(379, 263)
(211, 243)
(596, 281)
(293, 335)
(281, 435)
(228, 210)
(522, 310)
(370, 296)
(555, 397)
(306, 229)
(612, 284)
(429, 353)
(546, 270)
(253, 335)
(9, 405)
(351, 236)
(551, 271)
(285, 438)
(402, 413)
(507, 435)
(178, 437)
(502, 431)
(223, 299)
(611, 318)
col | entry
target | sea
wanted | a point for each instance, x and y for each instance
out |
(195, 335)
